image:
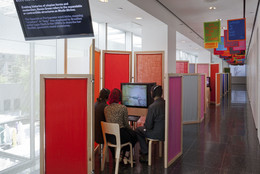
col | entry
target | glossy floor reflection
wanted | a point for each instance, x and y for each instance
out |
(225, 142)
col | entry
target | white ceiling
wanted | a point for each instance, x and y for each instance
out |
(193, 12)
(125, 18)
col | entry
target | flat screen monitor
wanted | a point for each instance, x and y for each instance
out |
(208, 82)
(53, 19)
(136, 94)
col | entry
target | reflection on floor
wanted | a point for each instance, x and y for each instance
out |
(225, 142)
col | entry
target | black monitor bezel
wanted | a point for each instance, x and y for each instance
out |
(149, 99)
(64, 36)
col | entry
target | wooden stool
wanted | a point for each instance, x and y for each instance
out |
(150, 142)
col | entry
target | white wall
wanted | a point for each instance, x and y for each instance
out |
(253, 79)
(204, 57)
(154, 38)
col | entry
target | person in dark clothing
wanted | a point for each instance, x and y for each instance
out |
(99, 114)
(154, 125)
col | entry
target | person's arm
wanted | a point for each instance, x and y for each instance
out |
(125, 117)
(149, 119)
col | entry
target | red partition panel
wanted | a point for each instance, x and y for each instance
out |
(97, 75)
(175, 118)
(149, 68)
(66, 126)
(202, 97)
(203, 68)
(214, 68)
(182, 66)
(116, 70)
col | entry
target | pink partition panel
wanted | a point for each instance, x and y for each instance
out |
(175, 117)
(203, 68)
(116, 70)
(66, 126)
(202, 97)
(182, 67)
(214, 68)
(218, 89)
(149, 68)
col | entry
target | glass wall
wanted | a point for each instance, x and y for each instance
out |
(137, 43)
(15, 103)
(239, 70)
(21, 63)
(116, 39)
(182, 55)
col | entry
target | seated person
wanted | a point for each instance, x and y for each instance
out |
(99, 114)
(154, 125)
(117, 113)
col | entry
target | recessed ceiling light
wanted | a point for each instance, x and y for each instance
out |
(119, 8)
(103, 0)
(138, 18)
(223, 28)
(212, 8)
(218, 19)
(183, 41)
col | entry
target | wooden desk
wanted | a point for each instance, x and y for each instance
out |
(133, 120)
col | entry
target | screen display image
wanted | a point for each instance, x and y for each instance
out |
(52, 19)
(134, 95)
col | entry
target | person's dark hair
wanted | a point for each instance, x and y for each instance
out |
(156, 91)
(103, 95)
(115, 96)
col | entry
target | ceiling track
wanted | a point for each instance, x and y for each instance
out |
(244, 8)
(179, 19)
(253, 28)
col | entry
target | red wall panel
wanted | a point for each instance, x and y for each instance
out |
(149, 68)
(182, 67)
(97, 75)
(66, 126)
(116, 70)
(214, 68)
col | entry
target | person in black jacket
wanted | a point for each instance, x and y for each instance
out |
(99, 114)
(154, 125)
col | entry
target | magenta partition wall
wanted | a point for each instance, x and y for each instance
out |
(173, 136)
(202, 97)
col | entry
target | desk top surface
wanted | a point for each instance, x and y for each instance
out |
(133, 118)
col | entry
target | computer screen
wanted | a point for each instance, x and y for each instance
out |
(136, 94)
(52, 19)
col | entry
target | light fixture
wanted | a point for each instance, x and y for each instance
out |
(223, 28)
(138, 18)
(183, 41)
(212, 8)
(218, 19)
(103, 0)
